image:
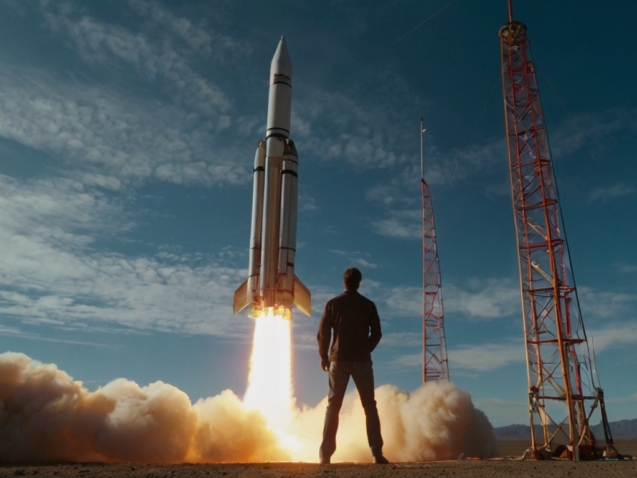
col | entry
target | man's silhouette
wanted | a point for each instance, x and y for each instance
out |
(351, 323)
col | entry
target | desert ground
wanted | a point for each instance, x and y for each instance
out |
(507, 465)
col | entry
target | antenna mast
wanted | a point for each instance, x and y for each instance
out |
(434, 348)
(558, 365)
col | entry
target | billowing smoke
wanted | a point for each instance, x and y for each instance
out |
(436, 422)
(46, 416)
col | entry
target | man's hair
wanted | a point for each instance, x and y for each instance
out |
(352, 278)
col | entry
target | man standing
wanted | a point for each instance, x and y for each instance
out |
(355, 325)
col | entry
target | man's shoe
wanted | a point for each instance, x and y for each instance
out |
(381, 460)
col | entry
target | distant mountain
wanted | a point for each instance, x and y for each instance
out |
(513, 432)
(623, 429)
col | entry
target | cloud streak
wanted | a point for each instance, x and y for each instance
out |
(486, 357)
(113, 45)
(471, 358)
(162, 119)
(593, 133)
(200, 37)
(606, 305)
(112, 138)
(610, 193)
(400, 225)
(478, 298)
(17, 333)
(52, 274)
(488, 298)
(613, 335)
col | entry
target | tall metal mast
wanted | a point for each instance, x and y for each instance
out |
(558, 361)
(434, 348)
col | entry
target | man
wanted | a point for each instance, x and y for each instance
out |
(355, 324)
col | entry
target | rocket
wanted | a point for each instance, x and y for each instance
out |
(271, 282)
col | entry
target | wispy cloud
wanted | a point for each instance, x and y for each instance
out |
(611, 193)
(110, 137)
(111, 134)
(613, 335)
(481, 299)
(200, 36)
(624, 268)
(390, 194)
(607, 305)
(307, 203)
(50, 272)
(111, 44)
(471, 358)
(402, 339)
(368, 133)
(592, 133)
(356, 258)
(401, 301)
(486, 357)
(496, 298)
(400, 224)
(17, 333)
(484, 298)
(406, 361)
(453, 166)
(460, 163)
(336, 126)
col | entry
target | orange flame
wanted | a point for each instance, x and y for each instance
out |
(270, 379)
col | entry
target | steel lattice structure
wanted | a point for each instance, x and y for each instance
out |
(434, 348)
(558, 364)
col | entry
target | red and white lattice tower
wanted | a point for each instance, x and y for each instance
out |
(434, 349)
(562, 390)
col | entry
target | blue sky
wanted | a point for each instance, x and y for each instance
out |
(127, 136)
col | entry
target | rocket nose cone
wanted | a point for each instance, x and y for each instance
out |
(281, 61)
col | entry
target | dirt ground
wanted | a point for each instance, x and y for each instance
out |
(504, 466)
(516, 448)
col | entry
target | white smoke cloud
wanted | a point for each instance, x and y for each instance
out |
(47, 416)
(435, 422)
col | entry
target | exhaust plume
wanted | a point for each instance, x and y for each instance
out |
(47, 416)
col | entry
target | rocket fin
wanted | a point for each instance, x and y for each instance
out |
(240, 298)
(302, 297)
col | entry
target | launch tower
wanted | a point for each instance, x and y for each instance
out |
(559, 369)
(434, 349)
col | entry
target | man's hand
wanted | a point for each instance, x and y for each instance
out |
(325, 364)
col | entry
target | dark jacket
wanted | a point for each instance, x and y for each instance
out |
(351, 316)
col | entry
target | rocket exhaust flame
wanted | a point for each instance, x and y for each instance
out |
(270, 378)
(270, 381)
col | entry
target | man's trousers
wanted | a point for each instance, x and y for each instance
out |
(363, 376)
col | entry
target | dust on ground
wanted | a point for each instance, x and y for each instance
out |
(504, 467)
(465, 468)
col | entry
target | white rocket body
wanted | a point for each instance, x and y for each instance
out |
(271, 281)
